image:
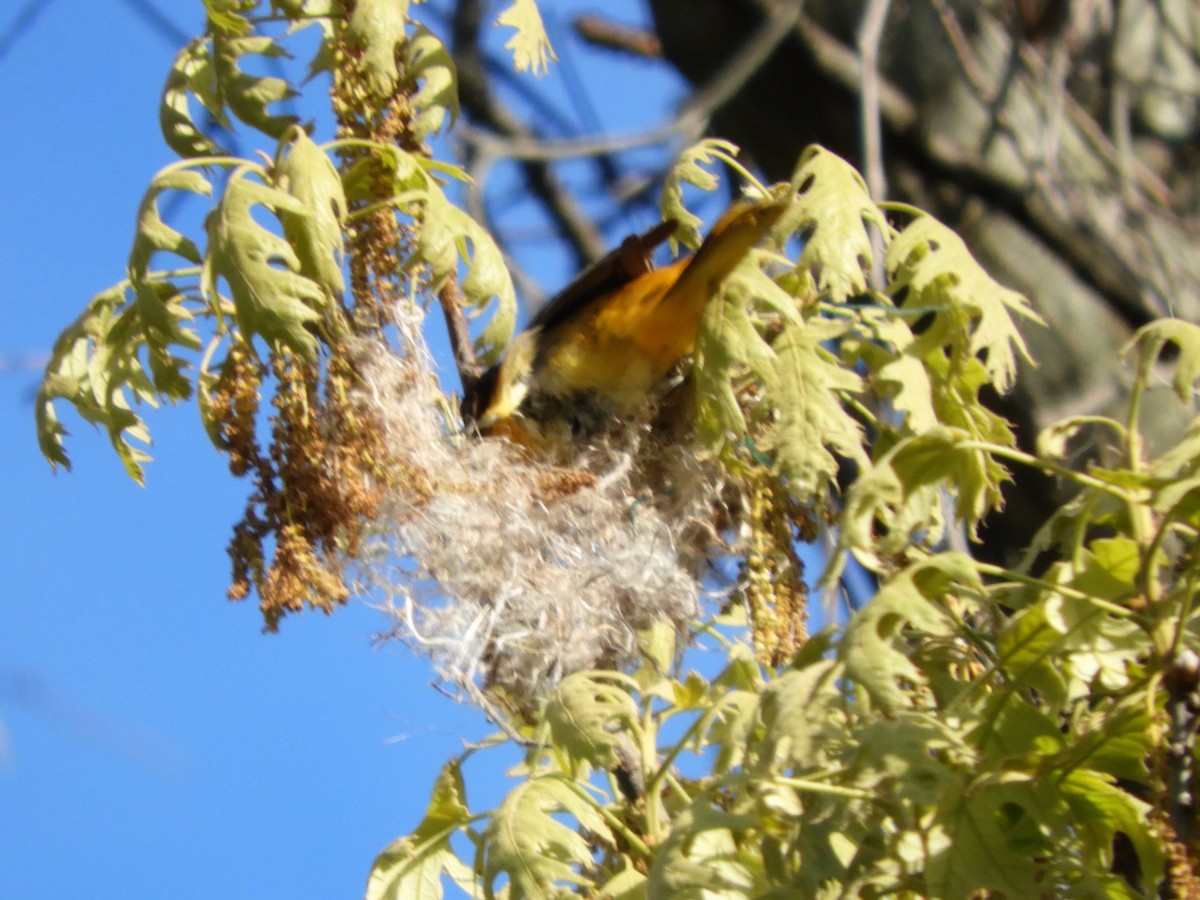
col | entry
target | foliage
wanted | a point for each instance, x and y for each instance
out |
(972, 730)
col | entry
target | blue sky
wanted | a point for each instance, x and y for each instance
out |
(155, 742)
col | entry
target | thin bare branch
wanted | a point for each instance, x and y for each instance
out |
(601, 32)
(869, 35)
(481, 104)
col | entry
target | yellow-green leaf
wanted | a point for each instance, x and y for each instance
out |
(249, 96)
(427, 60)
(530, 46)
(378, 29)
(412, 867)
(1149, 341)
(270, 295)
(832, 211)
(932, 266)
(192, 73)
(536, 851)
(588, 714)
(309, 176)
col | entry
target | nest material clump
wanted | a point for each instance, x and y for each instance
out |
(512, 572)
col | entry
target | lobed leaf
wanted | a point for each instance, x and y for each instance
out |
(447, 234)
(530, 46)
(931, 266)
(192, 73)
(998, 840)
(271, 297)
(378, 29)
(832, 210)
(316, 233)
(412, 867)
(248, 96)
(153, 234)
(427, 60)
(1149, 341)
(811, 423)
(588, 716)
(703, 858)
(533, 849)
(875, 651)
(689, 169)
(727, 345)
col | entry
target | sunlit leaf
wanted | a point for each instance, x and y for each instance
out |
(1149, 341)
(378, 29)
(427, 60)
(536, 851)
(875, 650)
(192, 74)
(932, 266)
(249, 96)
(689, 168)
(811, 424)
(270, 295)
(530, 46)
(309, 176)
(587, 715)
(412, 867)
(832, 211)
(703, 860)
(448, 234)
(153, 234)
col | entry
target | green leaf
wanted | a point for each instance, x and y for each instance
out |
(832, 211)
(412, 867)
(226, 15)
(192, 73)
(588, 716)
(689, 169)
(996, 838)
(530, 46)
(1053, 440)
(913, 757)
(447, 234)
(537, 852)
(801, 714)
(810, 420)
(377, 28)
(627, 884)
(248, 96)
(702, 859)
(1028, 648)
(1100, 809)
(727, 725)
(1149, 340)
(309, 176)
(427, 60)
(933, 267)
(875, 649)
(84, 371)
(270, 296)
(727, 345)
(153, 234)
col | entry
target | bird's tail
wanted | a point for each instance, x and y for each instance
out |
(739, 229)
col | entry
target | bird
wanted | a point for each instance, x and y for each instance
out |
(596, 351)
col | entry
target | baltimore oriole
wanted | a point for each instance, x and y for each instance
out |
(597, 349)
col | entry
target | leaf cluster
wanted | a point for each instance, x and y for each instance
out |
(257, 306)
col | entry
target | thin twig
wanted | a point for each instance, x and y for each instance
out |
(601, 32)
(451, 299)
(689, 122)
(869, 36)
(479, 101)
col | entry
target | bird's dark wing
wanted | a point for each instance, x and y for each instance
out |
(603, 277)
